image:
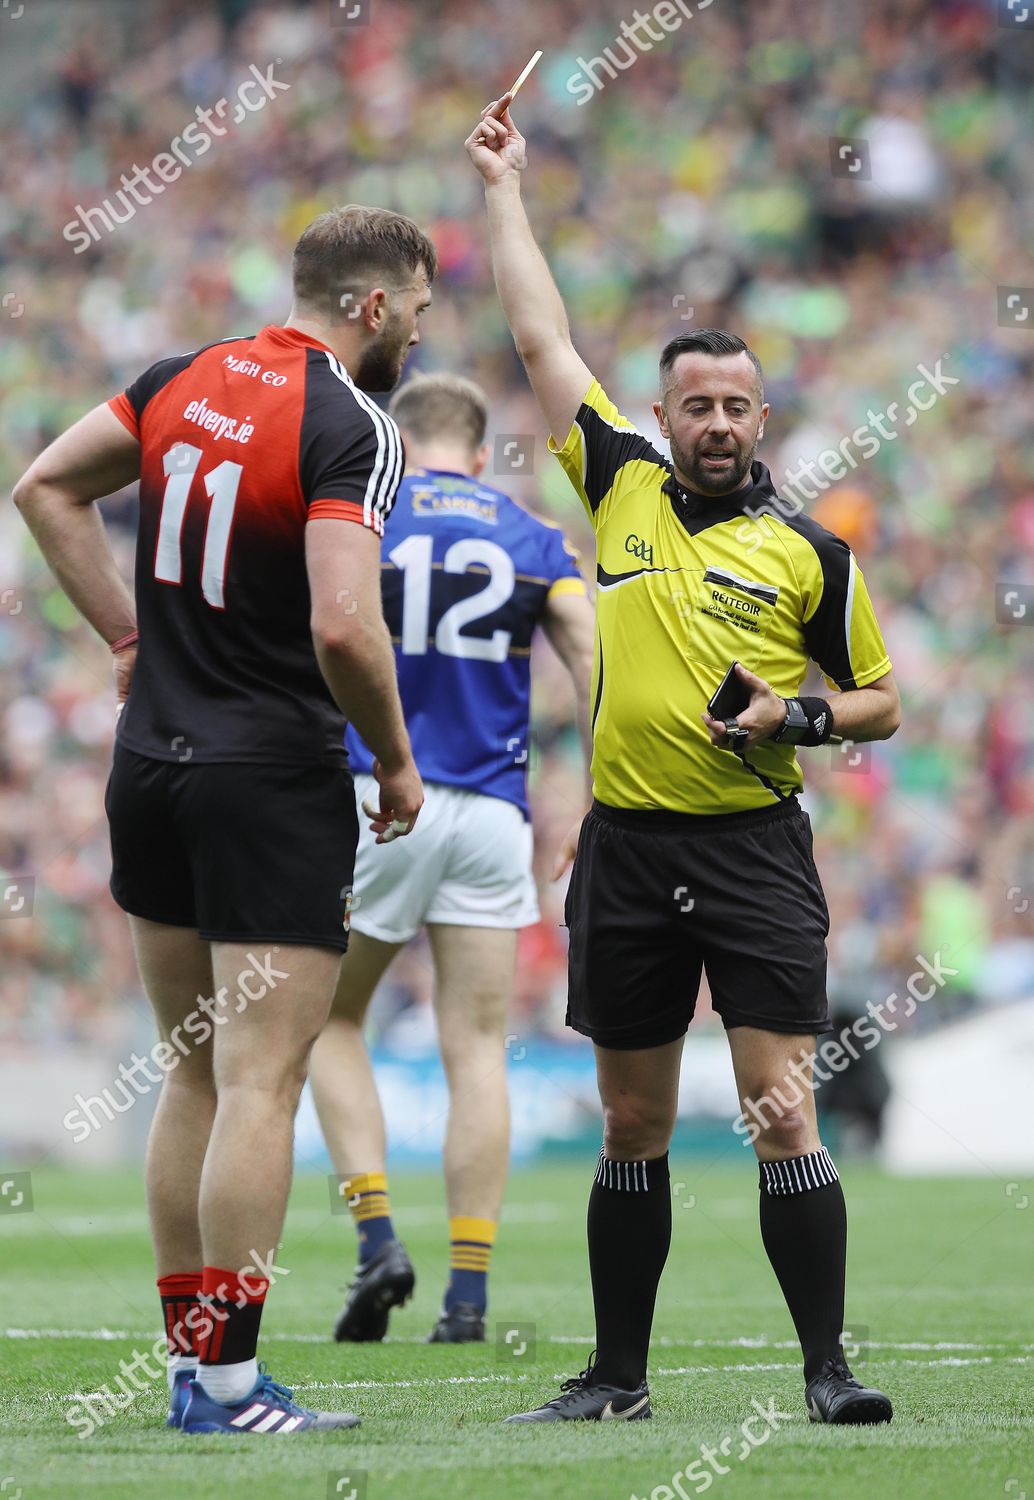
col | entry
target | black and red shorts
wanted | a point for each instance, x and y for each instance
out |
(239, 852)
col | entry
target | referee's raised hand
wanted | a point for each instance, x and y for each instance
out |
(763, 715)
(495, 145)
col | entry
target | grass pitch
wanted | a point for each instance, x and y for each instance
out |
(939, 1283)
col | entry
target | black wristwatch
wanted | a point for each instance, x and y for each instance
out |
(809, 721)
(794, 725)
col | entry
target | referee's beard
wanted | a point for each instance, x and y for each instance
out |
(704, 480)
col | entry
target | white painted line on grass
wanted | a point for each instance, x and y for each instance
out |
(554, 1379)
(677, 1370)
(663, 1342)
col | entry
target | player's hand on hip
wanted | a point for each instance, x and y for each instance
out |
(122, 666)
(763, 715)
(495, 145)
(402, 797)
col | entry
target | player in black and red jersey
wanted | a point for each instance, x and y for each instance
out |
(232, 811)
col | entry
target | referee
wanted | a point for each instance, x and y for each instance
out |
(695, 852)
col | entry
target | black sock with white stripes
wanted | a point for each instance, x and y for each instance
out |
(629, 1225)
(804, 1228)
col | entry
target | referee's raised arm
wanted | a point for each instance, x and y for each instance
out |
(531, 302)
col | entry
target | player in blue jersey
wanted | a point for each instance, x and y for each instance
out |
(467, 576)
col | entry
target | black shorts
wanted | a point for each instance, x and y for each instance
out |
(239, 852)
(656, 896)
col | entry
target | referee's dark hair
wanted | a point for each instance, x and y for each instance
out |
(713, 341)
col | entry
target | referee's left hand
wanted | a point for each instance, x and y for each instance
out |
(762, 716)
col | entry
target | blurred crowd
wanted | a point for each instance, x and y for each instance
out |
(703, 184)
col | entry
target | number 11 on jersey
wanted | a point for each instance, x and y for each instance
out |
(221, 485)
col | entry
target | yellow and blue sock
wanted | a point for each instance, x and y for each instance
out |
(367, 1194)
(470, 1249)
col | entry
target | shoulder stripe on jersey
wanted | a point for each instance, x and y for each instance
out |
(624, 426)
(606, 450)
(827, 630)
(848, 607)
(384, 464)
(387, 468)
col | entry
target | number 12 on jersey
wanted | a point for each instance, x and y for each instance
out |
(414, 560)
(221, 485)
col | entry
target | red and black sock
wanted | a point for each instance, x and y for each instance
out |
(180, 1312)
(231, 1306)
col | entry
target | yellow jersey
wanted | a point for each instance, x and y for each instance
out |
(686, 584)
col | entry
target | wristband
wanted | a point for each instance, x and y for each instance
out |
(124, 642)
(809, 721)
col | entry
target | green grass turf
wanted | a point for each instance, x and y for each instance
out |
(946, 1262)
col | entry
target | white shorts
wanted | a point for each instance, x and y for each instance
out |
(467, 862)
